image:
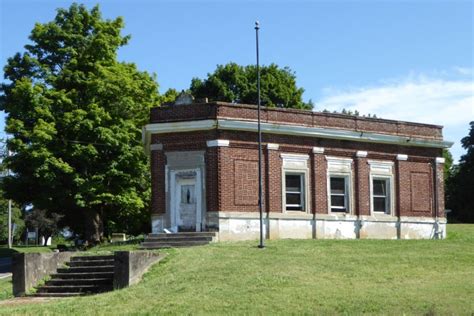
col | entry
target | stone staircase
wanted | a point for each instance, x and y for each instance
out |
(85, 275)
(184, 239)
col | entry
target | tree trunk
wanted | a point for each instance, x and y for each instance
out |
(94, 229)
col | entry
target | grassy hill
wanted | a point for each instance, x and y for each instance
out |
(297, 277)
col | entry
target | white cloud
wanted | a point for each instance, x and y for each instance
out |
(418, 98)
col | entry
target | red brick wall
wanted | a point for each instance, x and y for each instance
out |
(157, 164)
(319, 196)
(362, 187)
(291, 116)
(229, 176)
(230, 185)
(416, 188)
(274, 183)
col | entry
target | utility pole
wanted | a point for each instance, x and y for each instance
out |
(260, 200)
(10, 239)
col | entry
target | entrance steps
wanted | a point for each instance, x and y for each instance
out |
(85, 275)
(184, 239)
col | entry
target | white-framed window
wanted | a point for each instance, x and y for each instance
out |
(338, 186)
(339, 179)
(381, 195)
(294, 191)
(381, 188)
(295, 196)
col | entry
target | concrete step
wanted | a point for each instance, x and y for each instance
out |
(178, 238)
(74, 288)
(83, 275)
(184, 234)
(86, 269)
(91, 263)
(89, 258)
(91, 281)
(172, 244)
(58, 294)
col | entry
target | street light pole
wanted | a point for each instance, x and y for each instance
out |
(260, 200)
(10, 239)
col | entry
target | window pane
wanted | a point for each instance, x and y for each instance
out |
(337, 200)
(379, 204)
(338, 185)
(293, 182)
(187, 194)
(294, 208)
(380, 187)
(343, 210)
(292, 198)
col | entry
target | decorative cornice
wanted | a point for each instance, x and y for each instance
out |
(286, 129)
(218, 143)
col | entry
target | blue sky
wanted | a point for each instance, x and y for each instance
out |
(407, 60)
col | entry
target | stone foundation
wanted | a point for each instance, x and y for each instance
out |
(245, 226)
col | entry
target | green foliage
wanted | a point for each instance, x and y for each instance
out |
(238, 84)
(16, 219)
(448, 163)
(460, 185)
(75, 114)
(350, 112)
(169, 96)
(47, 224)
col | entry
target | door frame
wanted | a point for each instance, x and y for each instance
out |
(175, 196)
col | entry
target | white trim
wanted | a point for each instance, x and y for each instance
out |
(318, 150)
(272, 146)
(278, 128)
(361, 154)
(382, 170)
(402, 157)
(332, 133)
(294, 157)
(295, 164)
(156, 147)
(440, 160)
(175, 195)
(381, 167)
(183, 126)
(218, 143)
(340, 167)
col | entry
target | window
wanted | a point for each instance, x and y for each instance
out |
(294, 192)
(381, 187)
(339, 175)
(381, 195)
(339, 194)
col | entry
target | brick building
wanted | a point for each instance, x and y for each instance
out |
(324, 175)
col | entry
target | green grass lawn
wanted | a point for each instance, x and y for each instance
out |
(297, 277)
(8, 252)
(6, 288)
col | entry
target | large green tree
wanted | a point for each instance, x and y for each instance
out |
(460, 185)
(238, 84)
(75, 113)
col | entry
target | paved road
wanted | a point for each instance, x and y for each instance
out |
(5, 265)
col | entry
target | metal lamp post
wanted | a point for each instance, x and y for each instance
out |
(260, 200)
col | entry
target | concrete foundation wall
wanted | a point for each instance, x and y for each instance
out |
(245, 226)
(131, 265)
(30, 268)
